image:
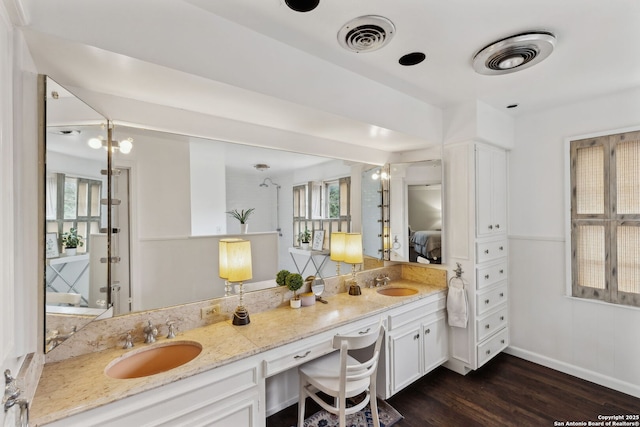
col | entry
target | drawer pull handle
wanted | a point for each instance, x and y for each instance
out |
(490, 227)
(364, 332)
(303, 356)
(486, 301)
(501, 294)
(486, 251)
(428, 331)
(487, 326)
(501, 248)
(416, 336)
(497, 225)
(501, 318)
(488, 351)
(501, 271)
(501, 341)
(486, 276)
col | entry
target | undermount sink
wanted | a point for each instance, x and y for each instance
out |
(153, 360)
(397, 292)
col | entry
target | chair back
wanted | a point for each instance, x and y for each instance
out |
(364, 369)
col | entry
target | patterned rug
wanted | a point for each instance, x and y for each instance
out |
(388, 417)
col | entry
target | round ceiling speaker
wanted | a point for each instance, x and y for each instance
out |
(366, 33)
(514, 53)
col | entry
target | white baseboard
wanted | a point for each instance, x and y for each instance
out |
(585, 374)
(282, 405)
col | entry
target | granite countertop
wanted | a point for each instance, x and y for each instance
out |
(78, 384)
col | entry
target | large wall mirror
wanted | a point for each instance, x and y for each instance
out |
(170, 195)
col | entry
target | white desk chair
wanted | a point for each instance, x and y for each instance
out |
(341, 376)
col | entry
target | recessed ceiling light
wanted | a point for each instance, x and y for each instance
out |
(302, 5)
(512, 105)
(412, 58)
(261, 167)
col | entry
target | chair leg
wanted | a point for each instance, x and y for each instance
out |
(302, 397)
(373, 403)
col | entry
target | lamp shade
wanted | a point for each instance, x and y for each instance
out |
(223, 270)
(337, 246)
(353, 248)
(239, 261)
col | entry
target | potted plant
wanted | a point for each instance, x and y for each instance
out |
(304, 238)
(294, 282)
(71, 241)
(281, 277)
(242, 216)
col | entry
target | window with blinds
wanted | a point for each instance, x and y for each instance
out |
(605, 218)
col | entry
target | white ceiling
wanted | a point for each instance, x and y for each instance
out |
(259, 62)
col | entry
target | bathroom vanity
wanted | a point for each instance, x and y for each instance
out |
(231, 381)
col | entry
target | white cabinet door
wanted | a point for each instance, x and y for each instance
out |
(406, 357)
(436, 343)
(484, 220)
(491, 191)
(499, 191)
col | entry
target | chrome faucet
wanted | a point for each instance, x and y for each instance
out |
(150, 333)
(171, 325)
(382, 280)
(128, 341)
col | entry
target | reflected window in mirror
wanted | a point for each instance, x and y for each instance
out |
(73, 203)
(322, 205)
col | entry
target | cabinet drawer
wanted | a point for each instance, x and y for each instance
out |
(397, 320)
(493, 346)
(491, 323)
(297, 357)
(491, 274)
(489, 299)
(488, 251)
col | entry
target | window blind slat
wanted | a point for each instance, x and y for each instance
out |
(628, 177)
(628, 251)
(590, 180)
(591, 256)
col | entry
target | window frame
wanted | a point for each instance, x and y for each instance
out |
(610, 219)
(88, 219)
(304, 218)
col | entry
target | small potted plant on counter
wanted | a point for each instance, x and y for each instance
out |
(294, 282)
(281, 277)
(242, 216)
(71, 241)
(304, 238)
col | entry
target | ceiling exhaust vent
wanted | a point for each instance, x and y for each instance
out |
(514, 53)
(366, 33)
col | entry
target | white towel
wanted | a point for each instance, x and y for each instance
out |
(457, 307)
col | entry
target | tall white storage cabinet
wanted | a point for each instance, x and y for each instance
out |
(476, 187)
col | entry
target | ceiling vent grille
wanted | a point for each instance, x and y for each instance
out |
(366, 33)
(514, 53)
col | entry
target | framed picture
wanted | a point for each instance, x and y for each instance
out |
(51, 245)
(318, 240)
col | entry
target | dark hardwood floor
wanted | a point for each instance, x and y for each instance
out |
(507, 391)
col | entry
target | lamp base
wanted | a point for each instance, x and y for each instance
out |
(354, 289)
(241, 316)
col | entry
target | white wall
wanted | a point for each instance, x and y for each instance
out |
(596, 341)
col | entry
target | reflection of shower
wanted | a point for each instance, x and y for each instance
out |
(264, 184)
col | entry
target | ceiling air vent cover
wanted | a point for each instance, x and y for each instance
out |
(366, 33)
(514, 53)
